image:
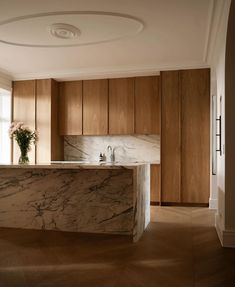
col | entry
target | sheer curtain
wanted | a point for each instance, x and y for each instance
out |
(5, 120)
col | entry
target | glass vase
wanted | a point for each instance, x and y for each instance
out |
(23, 159)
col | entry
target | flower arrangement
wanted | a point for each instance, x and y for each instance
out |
(24, 136)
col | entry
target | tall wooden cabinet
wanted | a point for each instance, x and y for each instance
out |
(23, 110)
(121, 106)
(50, 144)
(95, 107)
(185, 136)
(147, 105)
(36, 104)
(195, 135)
(170, 137)
(155, 183)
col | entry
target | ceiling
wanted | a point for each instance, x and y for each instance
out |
(105, 38)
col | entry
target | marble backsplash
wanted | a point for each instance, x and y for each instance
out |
(138, 148)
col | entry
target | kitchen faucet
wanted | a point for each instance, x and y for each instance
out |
(110, 153)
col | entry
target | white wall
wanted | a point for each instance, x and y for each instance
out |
(217, 62)
(213, 180)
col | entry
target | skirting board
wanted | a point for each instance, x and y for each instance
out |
(213, 203)
(226, 237)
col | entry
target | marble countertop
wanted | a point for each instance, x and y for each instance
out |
(78, 165)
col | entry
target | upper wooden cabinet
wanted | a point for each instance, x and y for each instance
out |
(115, 106)
(121, 106)
(95, 107)
(70, 106)
(24, 95)
(147, 105)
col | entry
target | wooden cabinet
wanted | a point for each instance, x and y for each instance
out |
(121, 106)
(185, 136)
(115, 106)
(24, 95)
(70, 107)
(195, 126)
(155, 183)
(43, 111)
(170, 137)
(50, 144)
(36, 104)
(95, 107)
(147, 105)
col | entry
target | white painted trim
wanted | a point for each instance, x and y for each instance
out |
(229, 238)
(219, 8)
(213, 203)
(209, 29)
(108, 72)
(226, 237)
(218, 229)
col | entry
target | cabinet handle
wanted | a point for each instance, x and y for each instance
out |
(219, 135)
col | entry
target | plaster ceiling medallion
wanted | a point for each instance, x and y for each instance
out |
(64, 31)
(68, 29)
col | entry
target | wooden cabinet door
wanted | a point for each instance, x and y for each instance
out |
(121, 106)
(170, 137)
(147, 105)
(43, 114)
(57, 141)
(155, 183)
(50, 144)
(195, 163)
(95, 107)
(70, 106)
(24, 111)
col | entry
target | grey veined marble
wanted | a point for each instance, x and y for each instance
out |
(141, 148)
(114, 201)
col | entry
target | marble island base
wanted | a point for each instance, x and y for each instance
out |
(111, 199)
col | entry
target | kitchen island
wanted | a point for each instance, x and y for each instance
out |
(93, 198)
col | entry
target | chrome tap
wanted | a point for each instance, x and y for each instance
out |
(110, 153)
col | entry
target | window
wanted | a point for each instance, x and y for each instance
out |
(5, 120)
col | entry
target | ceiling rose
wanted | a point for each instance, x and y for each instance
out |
(95, 27)
(64, 31)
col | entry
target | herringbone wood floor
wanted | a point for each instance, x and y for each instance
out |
(179, 248)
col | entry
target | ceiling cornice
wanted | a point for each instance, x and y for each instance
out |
(215, 19)
(209, 28)
(109, 72)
